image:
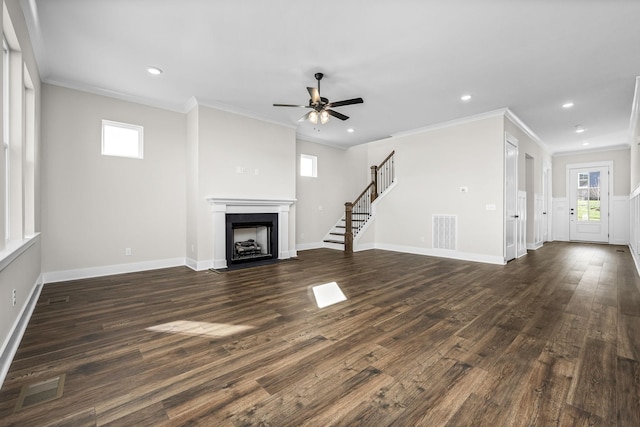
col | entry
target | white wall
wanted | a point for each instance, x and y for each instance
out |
(227, 141)
(634, 181)
(342, 175)
(192, 244)
(431, 166)
(634, 139)
(20, 270)
(94, 206)
(532, 159)
(621, 169)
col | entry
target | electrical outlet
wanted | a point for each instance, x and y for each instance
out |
(127, 251)
(13, 296)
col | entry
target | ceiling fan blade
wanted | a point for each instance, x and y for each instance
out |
(305, 117)
(337, 115)
(315, 95)
(345, 102)
(290, 105)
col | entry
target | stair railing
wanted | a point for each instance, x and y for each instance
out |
(382, 176)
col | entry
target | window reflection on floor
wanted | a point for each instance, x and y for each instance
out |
(328, 294)
(204, 329)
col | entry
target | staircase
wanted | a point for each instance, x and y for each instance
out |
(358, 213)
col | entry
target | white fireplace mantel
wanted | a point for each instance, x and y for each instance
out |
(221, 206)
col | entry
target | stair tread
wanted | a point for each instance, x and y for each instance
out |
(336, 234)
(333, 241)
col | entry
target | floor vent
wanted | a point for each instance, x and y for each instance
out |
(43, 391)
(57, 300)
(445, 230)
(620, 250)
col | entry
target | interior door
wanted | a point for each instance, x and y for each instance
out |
(589, 204)
(546, 175)
(511, 200)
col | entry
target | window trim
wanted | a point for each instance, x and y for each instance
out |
(314, 165)
(128, 126)
(6, 135)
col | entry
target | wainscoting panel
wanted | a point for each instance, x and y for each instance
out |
(560, 206)
(619, 223)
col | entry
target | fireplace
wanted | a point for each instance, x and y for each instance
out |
(281, 246)
(251, 237)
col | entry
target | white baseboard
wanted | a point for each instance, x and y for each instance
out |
(534, 246)
(363, 246)
(309, 246)
(108, 270)
(10, 346)
(191, 263)
(199, 265)
(443, 253)
(636, 259)
(291, 254)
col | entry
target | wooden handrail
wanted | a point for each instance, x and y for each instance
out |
(362, 194)
(385, 160)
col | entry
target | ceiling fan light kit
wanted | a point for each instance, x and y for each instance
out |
(320, 106)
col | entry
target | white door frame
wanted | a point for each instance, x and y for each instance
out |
(546, 194)
(521, 235)
(603, 164)
(510, 249)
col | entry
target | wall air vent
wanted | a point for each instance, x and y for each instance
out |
(445, 231)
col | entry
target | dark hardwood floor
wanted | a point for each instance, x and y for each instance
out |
(550, 339)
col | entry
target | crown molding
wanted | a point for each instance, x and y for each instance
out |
(450, 123)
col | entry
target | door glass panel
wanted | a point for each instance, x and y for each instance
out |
(588, 197)
(583, 180)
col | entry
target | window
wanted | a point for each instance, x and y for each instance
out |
(588, 203)
(121, 139)
(308, 165)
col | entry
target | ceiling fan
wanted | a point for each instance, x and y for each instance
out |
(321, 108)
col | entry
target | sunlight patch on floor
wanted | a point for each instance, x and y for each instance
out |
(200, 329)
(328, 294)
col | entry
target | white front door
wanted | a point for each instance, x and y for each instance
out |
(589, 204)
(511, 199)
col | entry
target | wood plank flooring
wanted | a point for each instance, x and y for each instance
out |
(551, 339)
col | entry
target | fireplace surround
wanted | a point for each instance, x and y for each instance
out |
(220, 207)
(251, 237)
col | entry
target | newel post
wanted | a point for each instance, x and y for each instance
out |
(374, 180)
(348, 233)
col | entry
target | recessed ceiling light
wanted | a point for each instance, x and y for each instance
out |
(585, 143)
(350, 130)
(579, 129)
(567, 104)
(465, 97)
(154, 71)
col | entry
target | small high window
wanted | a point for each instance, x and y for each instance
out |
(122, 139)
(308, 165)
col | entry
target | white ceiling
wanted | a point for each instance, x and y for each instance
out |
(410, 60)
